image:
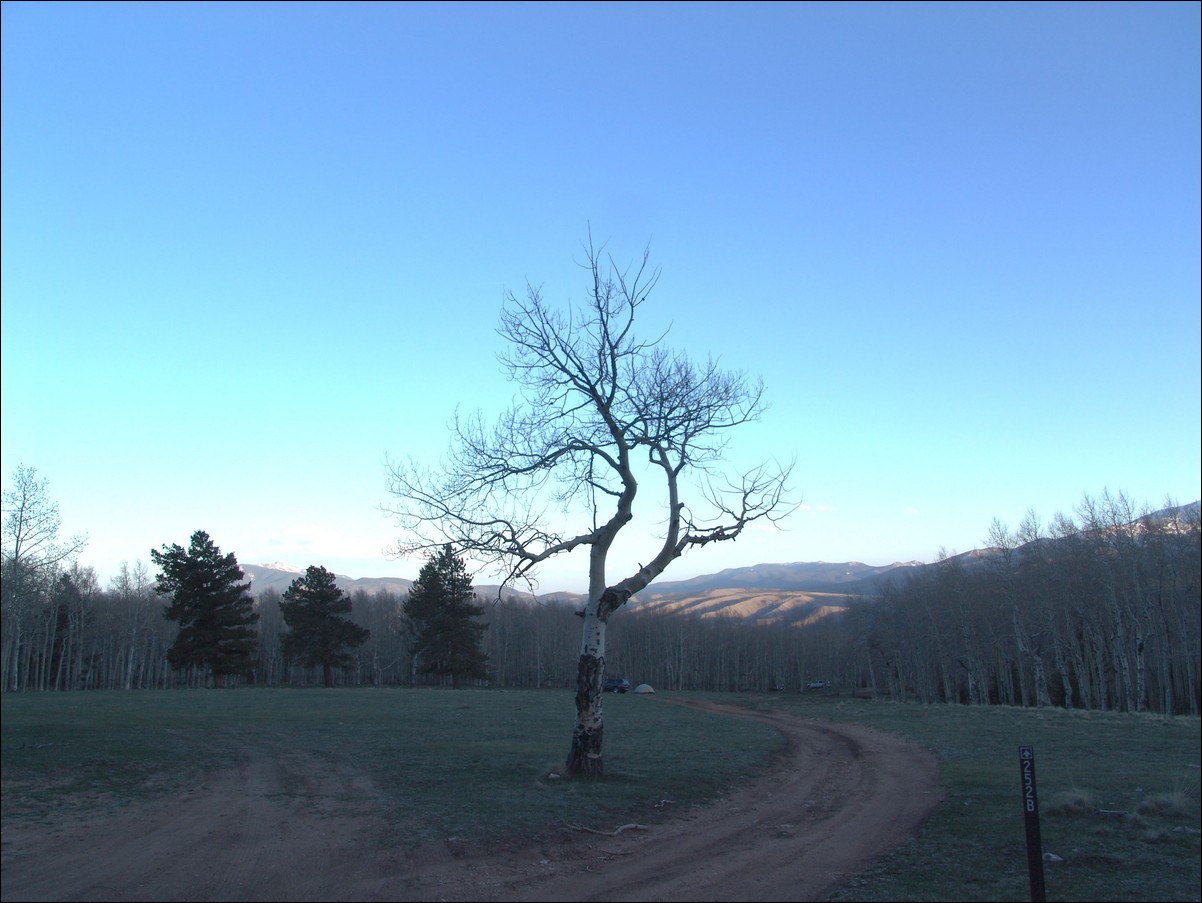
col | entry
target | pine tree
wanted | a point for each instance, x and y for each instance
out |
(442, 610)
(317, 633)
(214, 609)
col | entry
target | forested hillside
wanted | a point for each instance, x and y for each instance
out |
(1099, 612)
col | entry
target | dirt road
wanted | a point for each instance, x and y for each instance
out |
(287, 828)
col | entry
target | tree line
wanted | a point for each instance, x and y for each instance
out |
(1100, 611)
(86, 637)
(1097, 611)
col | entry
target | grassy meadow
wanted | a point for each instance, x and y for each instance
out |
(1118, 799)
(1118, 794)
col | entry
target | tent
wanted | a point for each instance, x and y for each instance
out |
(644, 688)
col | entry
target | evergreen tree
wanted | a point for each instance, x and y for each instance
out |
(317, 633)
(442, 610)
(215, 611)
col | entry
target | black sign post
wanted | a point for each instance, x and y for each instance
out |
(1026, 760)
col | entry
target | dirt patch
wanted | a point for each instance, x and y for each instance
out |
(290, 828)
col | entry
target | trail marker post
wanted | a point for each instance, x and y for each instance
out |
(1026, 761)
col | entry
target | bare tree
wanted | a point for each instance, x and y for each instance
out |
(32, 556)
(600, 408)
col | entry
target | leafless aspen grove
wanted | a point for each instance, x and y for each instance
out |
(1102, 613)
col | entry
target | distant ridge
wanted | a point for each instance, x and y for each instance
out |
(797, 576)
(279, 576)
(798, 592)
(817, 576)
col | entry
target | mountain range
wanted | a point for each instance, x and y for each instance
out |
(798, 592)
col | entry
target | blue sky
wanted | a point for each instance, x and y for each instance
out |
(251, 251)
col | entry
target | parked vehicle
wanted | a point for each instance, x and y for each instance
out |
(615, 685)
(818, 685)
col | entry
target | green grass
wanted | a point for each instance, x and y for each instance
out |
(466, 763)
(479, 764)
